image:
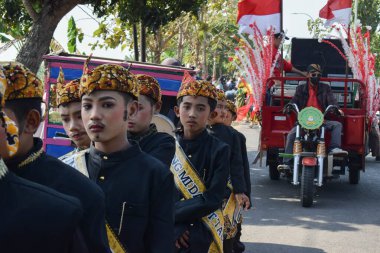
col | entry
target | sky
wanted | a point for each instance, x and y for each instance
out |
(295, 25)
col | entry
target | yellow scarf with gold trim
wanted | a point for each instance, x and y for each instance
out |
(190, 184)
(231, 214)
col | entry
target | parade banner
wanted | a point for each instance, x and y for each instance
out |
(191, 185)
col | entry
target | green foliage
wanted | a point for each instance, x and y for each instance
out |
(369, 15)
(153, 13)
(15, 21)
(214, 27)
(316, 27)
(72, 33)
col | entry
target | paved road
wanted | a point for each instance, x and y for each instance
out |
(344, 218)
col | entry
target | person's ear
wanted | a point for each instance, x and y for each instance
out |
(157, 107)
(32, 122)
(176, 111)
(213, 115)
(132, 109)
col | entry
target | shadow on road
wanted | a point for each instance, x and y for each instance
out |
(279, 248)
(338, 205)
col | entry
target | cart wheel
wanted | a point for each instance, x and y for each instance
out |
(274, 174)
(307, 186)
(354, 175)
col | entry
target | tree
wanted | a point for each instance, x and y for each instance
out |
(37, 21)
(149, 15)
(369, 15)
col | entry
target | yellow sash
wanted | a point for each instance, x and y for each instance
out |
(80, 162)
(190, 184)
(113, 241)
(231, 213)
(115, 244)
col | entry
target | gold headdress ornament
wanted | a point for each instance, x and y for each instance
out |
(21, 82)
(192, 87)
(108, 77)
(11, 130)
(149, 87)
(220, 94)
(231, 106)
(63, 92)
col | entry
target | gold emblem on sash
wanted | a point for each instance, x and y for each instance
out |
(191, 185)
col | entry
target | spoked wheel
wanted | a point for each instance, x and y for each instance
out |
(307, 185)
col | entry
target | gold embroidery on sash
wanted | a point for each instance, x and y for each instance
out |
(231, 214)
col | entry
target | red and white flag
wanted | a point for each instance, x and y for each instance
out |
(337, 11)
(266, 14)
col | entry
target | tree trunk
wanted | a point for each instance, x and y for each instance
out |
(158, 46)
(143, 41)
(38, 40)
(180, 42)
(197, 53)
(37, 44)
(204, 58)
(214, 68)
(204, 44)
(135, 42)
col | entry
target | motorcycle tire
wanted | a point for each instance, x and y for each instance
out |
(274, 174)
(353, 175)
(307, 185)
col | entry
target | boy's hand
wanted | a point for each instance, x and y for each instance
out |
(243, 200)
(183, 240)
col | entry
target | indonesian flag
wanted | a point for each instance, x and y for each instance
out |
(266, 14)
(337, 11)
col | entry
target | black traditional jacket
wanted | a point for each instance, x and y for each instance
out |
(139, 193)
(228, 136)
(208, 156)
(35, 218)
(325, 96)
(157, 144)
(247, 174)
(46, 170)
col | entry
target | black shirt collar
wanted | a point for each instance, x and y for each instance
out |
(200, 138)
(138, 137)
(122, 155)
(33, 154)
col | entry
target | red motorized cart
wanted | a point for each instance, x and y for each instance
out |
(275, 125)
